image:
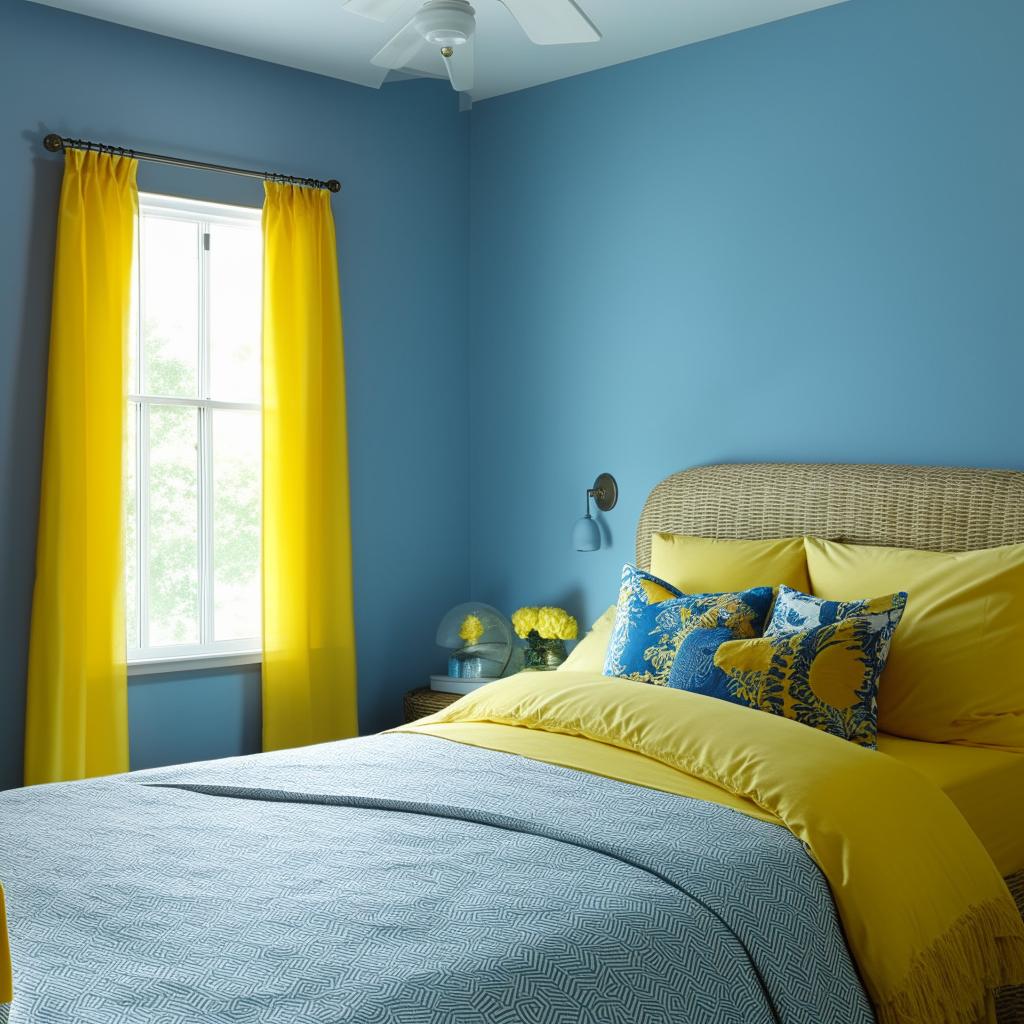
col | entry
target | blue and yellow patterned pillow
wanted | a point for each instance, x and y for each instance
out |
(819, 663)
(694, 668)
(794, 611)
(653, 618)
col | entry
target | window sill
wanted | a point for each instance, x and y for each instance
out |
(193, 663)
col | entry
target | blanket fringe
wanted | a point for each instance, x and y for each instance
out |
(951, 981)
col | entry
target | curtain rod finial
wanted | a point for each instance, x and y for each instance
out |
(334, 185)
(53, 142)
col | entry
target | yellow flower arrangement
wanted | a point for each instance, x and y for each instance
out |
(471, 630)
(524, 621)
(547, 623)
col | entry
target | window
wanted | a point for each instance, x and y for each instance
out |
(193, 464)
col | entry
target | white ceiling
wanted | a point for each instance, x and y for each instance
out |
(321, 36)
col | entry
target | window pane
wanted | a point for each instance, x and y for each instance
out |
(131, 531)
(236, 281)
(236, 525)
(169, 281)
(173, 534)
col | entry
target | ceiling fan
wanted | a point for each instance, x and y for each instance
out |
(450, 25)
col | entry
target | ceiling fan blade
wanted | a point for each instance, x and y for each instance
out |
(549, 22)
(397, 52)
(460, 67)
(379, 10)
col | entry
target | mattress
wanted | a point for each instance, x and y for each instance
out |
(986, 785)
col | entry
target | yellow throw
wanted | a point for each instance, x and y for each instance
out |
(309, 657)
(76, 722)
(928, 918)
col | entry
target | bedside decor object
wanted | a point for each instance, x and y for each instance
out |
(479, 639)
(545, 631)
(586, 536)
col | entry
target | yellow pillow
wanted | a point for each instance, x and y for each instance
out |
(589, 654)
(956, 668)
(703, 565)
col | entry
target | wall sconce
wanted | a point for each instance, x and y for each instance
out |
(586, 536)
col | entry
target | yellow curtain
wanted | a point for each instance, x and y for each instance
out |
(76, 717)
(309, 665)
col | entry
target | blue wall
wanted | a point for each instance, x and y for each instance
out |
(403, 271)
(799, 242)
(181, 717)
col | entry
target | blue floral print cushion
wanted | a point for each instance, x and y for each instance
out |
(794, 612)
(818, 663)
(653, 618)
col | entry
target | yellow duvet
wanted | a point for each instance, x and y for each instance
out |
(927, 916)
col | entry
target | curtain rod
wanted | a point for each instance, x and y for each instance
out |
(56, 143)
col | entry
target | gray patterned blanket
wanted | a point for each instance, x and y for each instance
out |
(404, 878)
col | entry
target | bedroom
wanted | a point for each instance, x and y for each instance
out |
(793, 241)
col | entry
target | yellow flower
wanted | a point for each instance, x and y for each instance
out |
(524, 621)
(556, 624)
(568, 627)
(547, 624)
(471, 629)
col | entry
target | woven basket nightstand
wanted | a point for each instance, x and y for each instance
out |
(424, 701)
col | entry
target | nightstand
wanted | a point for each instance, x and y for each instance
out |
(424, 701)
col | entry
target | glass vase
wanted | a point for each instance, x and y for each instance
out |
(542, 654)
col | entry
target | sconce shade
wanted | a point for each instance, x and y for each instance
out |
(585, 534)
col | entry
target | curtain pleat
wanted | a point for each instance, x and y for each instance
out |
(309, 662)
(76, 716)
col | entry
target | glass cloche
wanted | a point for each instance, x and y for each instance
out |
(480, 641)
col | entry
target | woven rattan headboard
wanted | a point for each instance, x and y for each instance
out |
(895, 506)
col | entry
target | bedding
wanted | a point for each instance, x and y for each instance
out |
(818, 663)
(986, 785)
(706, 565)
(956, 669)
(653, 618)
(795, 611)
(406, 877)
(403, 878)
(927, 916)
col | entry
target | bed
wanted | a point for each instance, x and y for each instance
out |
(475, 868)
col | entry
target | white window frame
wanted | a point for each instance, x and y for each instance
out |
(208, 653)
